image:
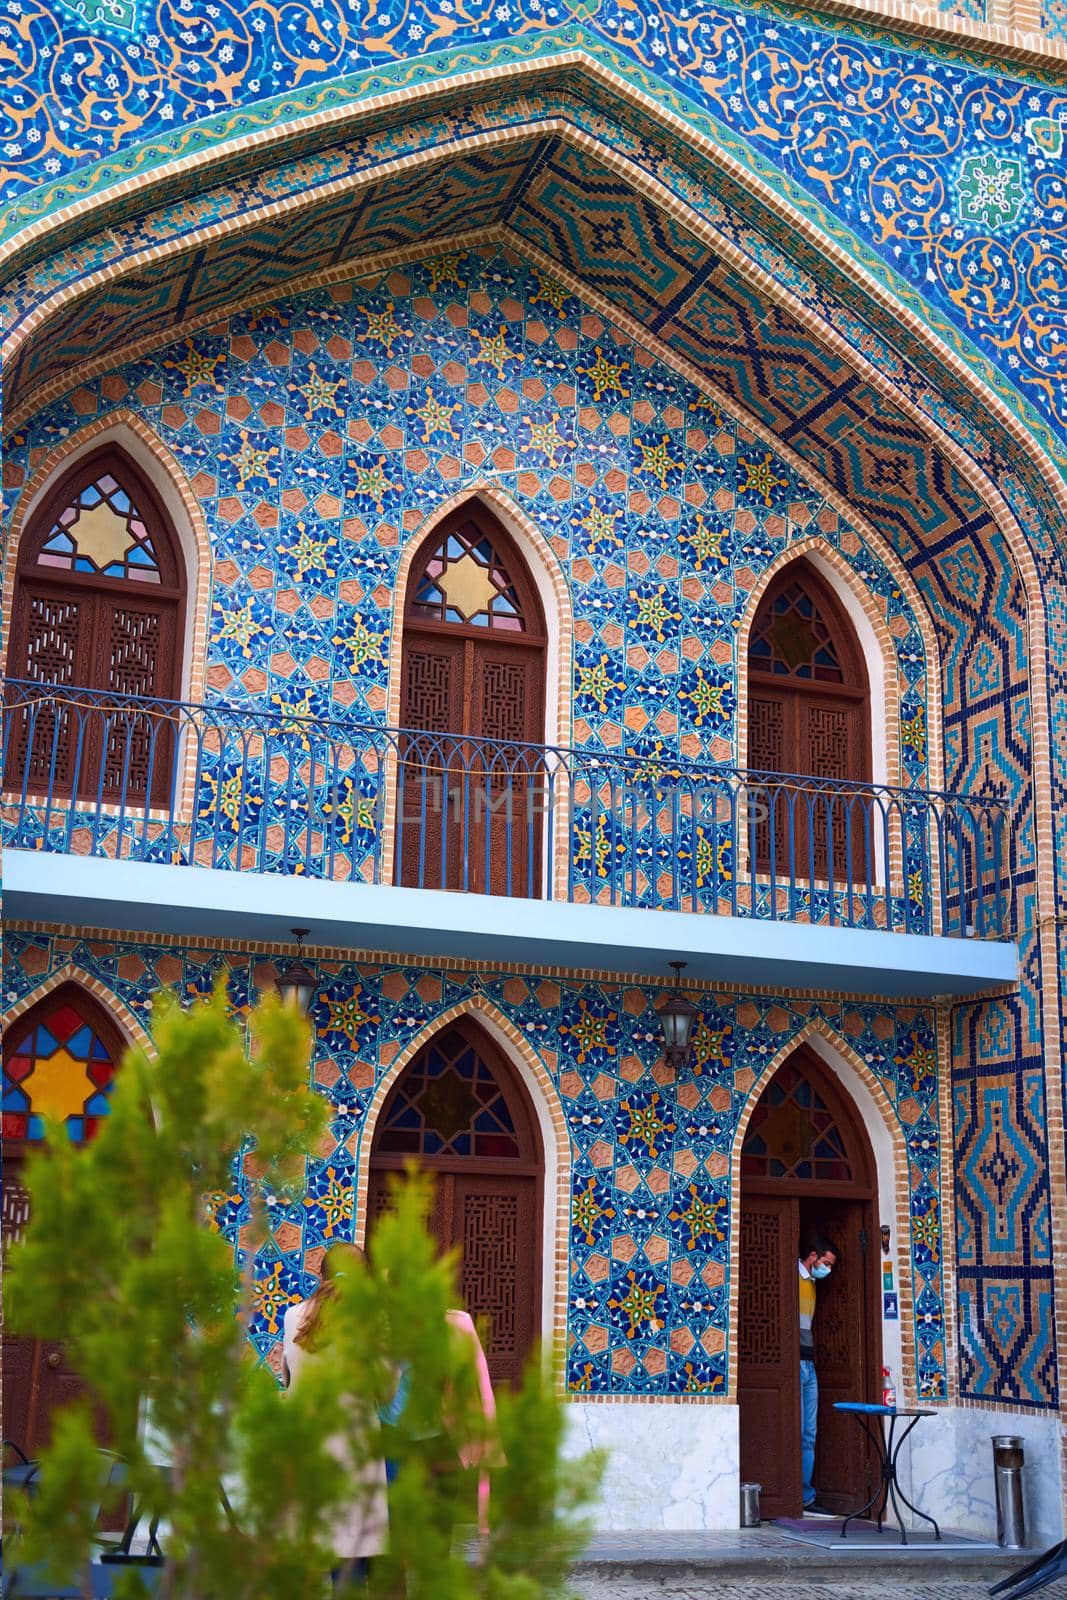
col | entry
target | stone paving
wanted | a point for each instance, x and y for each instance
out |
(762, 1564)
(706, 1586)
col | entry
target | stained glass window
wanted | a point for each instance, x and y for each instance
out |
(792, 639)
(448, 1103)
(466, 580)
(793, 1133)
(101, 531)
(60, 1067)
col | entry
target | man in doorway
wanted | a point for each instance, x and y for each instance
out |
(818, 1257)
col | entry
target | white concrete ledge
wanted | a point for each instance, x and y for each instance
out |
(133, 897)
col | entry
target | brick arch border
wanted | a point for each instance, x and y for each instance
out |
(554, 590)
(130, 433)
(124, 428)
(137, 1036)
(818, 1028)
(548, 1111)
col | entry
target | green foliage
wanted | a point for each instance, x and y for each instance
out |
(153, 1310)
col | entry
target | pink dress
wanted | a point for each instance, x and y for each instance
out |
(464, 1325)
(361, 1525)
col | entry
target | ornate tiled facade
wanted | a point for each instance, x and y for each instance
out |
(648, 1157)
(681, 292)
(318, 436)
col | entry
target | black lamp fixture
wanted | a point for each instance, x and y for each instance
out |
(297, 984)
(676, 1016)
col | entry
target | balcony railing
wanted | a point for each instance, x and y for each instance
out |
(245, 788)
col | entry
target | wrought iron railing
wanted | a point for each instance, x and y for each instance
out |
(248, 788)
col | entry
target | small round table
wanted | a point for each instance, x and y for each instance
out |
(888, 1448)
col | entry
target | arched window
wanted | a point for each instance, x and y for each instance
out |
(99, 604)
(59, 1062)
(809, 714)
(459, 1111)
(473, 676)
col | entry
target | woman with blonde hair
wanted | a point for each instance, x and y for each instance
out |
(360, 1526)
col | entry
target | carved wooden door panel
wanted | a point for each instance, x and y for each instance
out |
(37, 1376)
(56, 651)
(494, 1221)
(842, 1337)
(430, 802)
(506, 832)
(768, 1359)
(830, 744)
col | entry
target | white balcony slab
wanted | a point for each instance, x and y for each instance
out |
(135, 897)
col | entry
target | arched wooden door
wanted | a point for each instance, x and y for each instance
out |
(460, 1112)
(99, 605)
(59, 1060)
(809, 714)
(471, 774)
(806, 1164)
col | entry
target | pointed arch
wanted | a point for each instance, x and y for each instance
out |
(547, 575)
(885, 1132)
(125, 431)
(496, 839)
(547, 1108)
(60, 1057)
(869, 622)
(135, 1034)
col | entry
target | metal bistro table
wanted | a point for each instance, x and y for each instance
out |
(888, 1448)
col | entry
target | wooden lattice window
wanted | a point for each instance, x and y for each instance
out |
(473, 677)
(449, 1103)
(99, 606)
(793, 1133)
(59, 1062)
(469, 575)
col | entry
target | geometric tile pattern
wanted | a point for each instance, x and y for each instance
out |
(321, 430)
(320, 427)
(1003, 1223)
(652, 1216)
(873, 132)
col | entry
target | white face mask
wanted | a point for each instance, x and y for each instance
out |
(821, 1270)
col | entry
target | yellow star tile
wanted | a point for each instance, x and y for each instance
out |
(102, 535)
(58, 1086)
(467, 587)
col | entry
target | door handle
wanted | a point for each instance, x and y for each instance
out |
(53, 1360)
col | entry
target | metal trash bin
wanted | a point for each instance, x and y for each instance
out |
(1008, 1461)
(750, 1493)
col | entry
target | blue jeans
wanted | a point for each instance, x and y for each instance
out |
(809, 1422)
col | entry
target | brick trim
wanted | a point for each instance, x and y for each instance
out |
(124, 1018)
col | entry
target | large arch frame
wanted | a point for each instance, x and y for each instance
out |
(792, 225)
(551, 1126)
(876, 1111)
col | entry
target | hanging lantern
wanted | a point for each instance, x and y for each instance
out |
(677, 1016)
(297, 984)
